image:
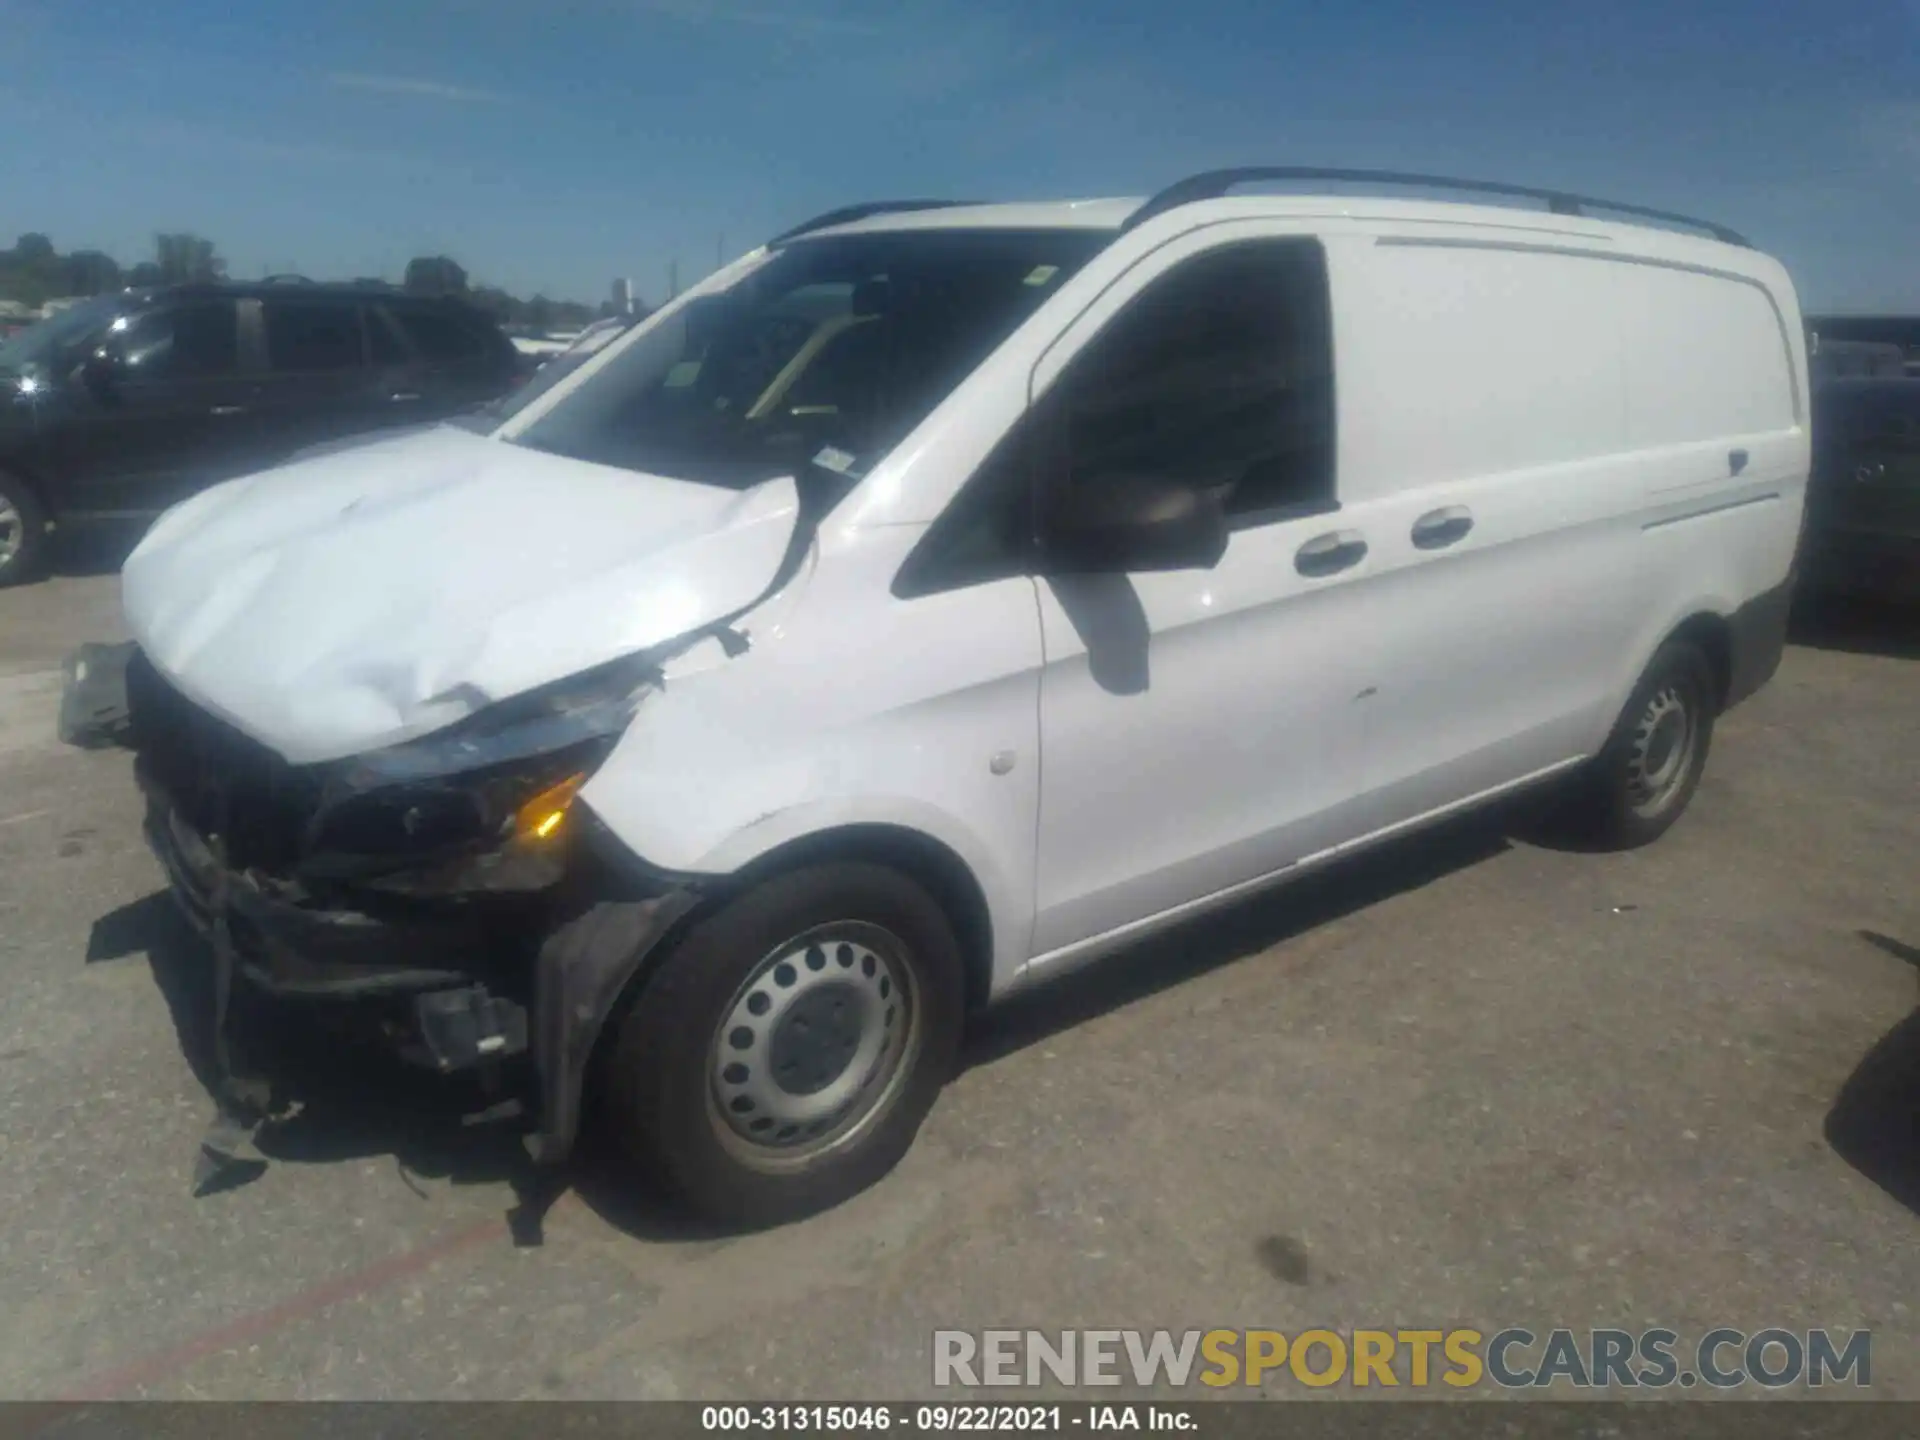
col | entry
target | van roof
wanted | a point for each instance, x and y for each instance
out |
(1112, 214)
(1218, 187)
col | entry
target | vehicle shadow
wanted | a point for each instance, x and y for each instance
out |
(341, 1097)
(1857, 627)
(1874, 1124)
(1200, 946)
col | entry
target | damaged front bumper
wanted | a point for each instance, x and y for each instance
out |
(454, 983)
(424, 887)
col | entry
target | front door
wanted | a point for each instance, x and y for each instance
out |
(1201, 729)
(173, 412)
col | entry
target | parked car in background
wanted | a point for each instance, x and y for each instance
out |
(939, 598)
(119, 406)
(1863, 501)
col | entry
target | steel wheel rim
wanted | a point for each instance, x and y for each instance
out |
(1664, 740)
(13, 531)
(814, 1047)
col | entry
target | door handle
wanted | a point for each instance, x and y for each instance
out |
(1736, 461)
(1438, 529)
(399, 396)
(228, 410)
(1330, 553)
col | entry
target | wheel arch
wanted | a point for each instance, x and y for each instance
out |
(585, 981)
(18, 470)
(1711, 633)
(930, 862)
(1704, 622)
(37, 522)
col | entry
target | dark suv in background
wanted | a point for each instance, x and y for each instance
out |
(119, 406)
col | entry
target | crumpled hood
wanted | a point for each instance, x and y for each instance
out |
(358, 599)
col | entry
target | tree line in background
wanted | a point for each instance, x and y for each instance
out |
(34, 272)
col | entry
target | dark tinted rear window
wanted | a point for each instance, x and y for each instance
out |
(308, 335)
(383, 342)
(445, 336)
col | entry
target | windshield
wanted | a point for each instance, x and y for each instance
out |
(57, 341)
(827, 355)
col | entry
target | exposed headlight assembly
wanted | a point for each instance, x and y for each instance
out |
(482, 804)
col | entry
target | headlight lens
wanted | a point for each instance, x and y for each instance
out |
(512, 768)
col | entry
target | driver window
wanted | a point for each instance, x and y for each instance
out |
(180, 343)
(1219, 374)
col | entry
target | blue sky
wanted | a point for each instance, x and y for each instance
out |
(553, 144)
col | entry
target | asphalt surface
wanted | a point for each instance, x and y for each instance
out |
(1472, 1080)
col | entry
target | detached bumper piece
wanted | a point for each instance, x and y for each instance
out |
(93, 701)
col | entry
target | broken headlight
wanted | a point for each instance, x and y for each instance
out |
(492, 791)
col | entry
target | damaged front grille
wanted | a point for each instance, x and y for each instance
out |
(221, 781)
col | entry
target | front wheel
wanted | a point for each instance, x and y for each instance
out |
(1644, 779)
(782, 1056)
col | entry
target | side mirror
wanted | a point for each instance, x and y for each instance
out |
(1127, 522)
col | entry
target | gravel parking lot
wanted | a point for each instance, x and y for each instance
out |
(1472, 1080)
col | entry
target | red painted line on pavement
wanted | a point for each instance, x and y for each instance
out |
(117, 1383)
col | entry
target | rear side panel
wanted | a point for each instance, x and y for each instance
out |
(1717, 414)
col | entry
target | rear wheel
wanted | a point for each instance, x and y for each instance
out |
(23, 532)
(1645, 777)
(781, 1058)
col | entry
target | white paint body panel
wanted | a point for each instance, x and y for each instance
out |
(356, 600)
(851, 708)
(1577, 387)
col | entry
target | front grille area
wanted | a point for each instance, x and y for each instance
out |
(205, 766)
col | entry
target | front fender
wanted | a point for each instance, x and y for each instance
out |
(663, 847)
(848, 707)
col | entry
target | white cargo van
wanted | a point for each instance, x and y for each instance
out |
(941, 596)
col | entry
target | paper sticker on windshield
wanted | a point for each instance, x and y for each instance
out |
(1041, 274)
(683, 375)
(838, 461)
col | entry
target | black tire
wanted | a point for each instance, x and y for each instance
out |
(671, 1053)
(1627, 797)
(23, 532)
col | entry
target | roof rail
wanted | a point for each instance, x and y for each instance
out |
(287, 280)
(1213, 184)
(847, 214)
